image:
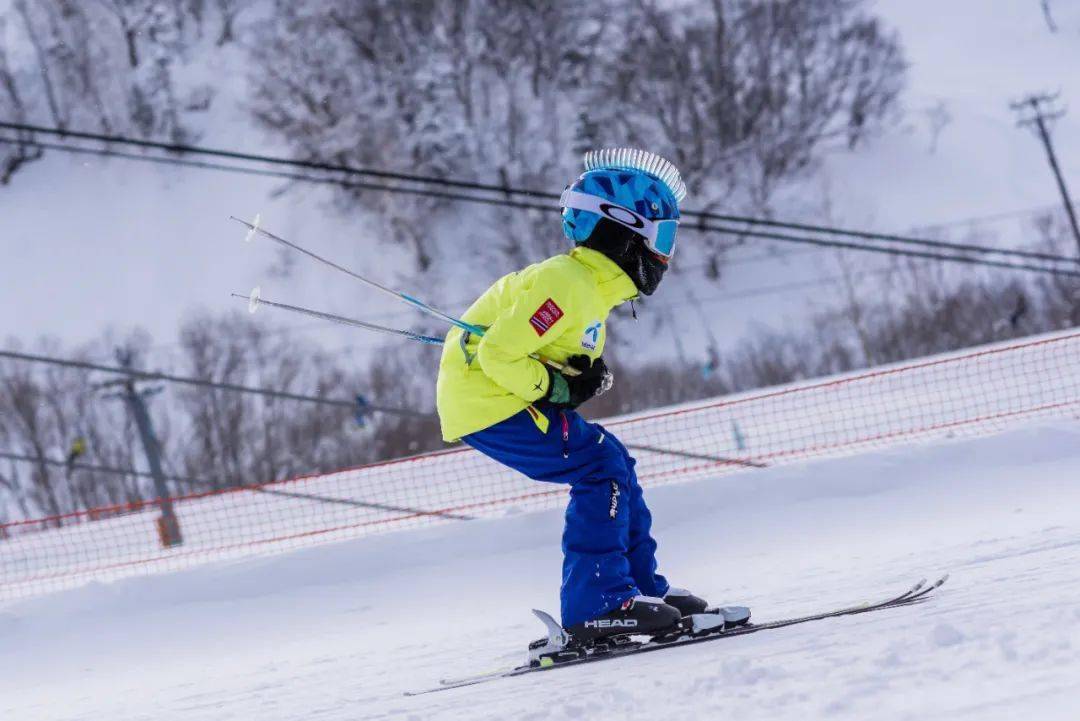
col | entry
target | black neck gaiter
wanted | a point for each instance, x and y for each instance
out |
(628, 251)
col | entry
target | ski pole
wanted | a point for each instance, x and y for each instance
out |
(254, 228)
(414, 302)
(255, 299)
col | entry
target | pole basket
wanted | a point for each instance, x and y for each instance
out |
(168, 528)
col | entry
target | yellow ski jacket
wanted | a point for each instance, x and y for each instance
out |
(556, 309)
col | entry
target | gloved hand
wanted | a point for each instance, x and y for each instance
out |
(571, 391)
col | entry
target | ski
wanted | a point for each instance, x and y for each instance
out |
(624, 646)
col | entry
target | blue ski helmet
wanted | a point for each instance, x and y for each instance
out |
(634, 188)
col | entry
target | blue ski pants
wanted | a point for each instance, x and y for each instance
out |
(608, 553)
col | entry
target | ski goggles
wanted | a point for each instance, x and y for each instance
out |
(659, 235)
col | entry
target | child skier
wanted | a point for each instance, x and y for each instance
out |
(497, 396)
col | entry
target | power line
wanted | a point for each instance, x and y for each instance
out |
(171, 347)
(268, 159)
(726, 297)
(821, 242)
(886, 237)
(745, 233)
(91, 467)
(151, 376)
(504, 191)
(285, 175)
(988, 218)
(897, 251)
(215, 486)
(818, 242)
(464, 302)
(723, 298)
(163, 497)
(544, 208)
(778, 288)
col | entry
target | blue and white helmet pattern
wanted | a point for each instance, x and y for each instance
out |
(635, 179)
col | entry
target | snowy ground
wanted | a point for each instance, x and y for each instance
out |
(338, 632)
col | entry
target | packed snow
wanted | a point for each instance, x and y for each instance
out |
(341, 631)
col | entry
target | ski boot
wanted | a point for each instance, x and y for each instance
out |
(687, 603)
(640, 615)
(637, 616)
(690, 605)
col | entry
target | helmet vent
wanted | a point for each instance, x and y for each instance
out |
(633, 159)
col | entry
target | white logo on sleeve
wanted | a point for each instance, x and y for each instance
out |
(591, 337)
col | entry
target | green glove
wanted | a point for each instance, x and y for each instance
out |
(571, 391)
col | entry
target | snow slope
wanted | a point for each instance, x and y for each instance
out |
(338, 632)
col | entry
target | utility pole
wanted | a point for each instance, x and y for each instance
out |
(1033, 113)
(167, 524)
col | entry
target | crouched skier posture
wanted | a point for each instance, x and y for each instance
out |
(495, 395)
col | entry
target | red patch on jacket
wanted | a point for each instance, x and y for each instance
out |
(545, 316)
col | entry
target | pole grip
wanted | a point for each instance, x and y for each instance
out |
(563, 368)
